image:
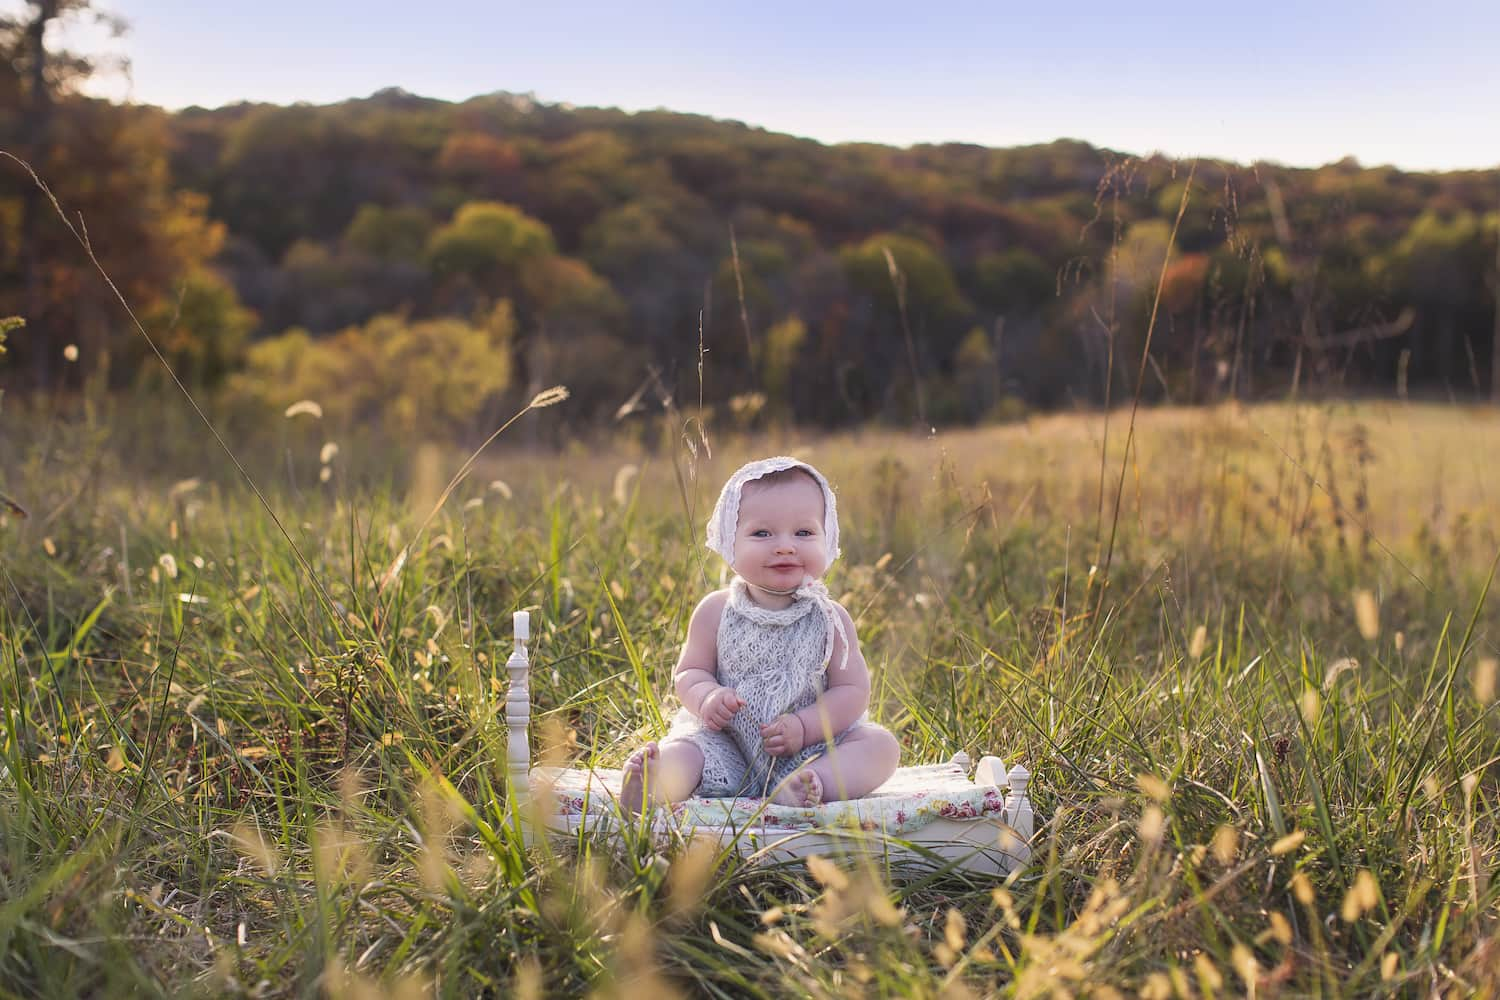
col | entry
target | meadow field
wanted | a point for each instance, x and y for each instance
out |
(255, 747)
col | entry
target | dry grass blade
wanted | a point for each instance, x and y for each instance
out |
(547, 397)
(12, 508)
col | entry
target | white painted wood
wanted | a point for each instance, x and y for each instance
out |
(980, 846)
(991, 771)
(1018, 804)
(518, 726)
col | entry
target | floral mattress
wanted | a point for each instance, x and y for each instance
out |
(912, 798)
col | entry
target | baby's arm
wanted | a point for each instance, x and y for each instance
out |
(841, 703)
(696, 676)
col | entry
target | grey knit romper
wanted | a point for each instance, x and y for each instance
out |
(774, 660)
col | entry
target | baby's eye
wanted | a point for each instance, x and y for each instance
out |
(760, 533)
(805, 533)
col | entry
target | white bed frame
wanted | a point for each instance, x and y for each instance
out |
(991, 844)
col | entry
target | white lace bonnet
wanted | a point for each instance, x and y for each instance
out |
(726, 516)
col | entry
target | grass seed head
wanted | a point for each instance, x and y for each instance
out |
(623, 476)
(1483, 680)
(255, 848)
(953, 929)
(528, 984)
(339, 856)
(351, 789)
(828, 874)
(1289, 843)
(1309, 705)
(1226, 844)
(1209, 976)
(183, 487)
(426, 481)
(1335, 669)
(1367, 615)
(549, 397)
(1199, 642)
(1245, 966)
(1154, 787)
(1152, 825)
(1362, 897)
(304, 407)
(1302, 889)
(1157, 987)
(690, 874)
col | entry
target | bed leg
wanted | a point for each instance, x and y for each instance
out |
(518, 724)
(1018, 810)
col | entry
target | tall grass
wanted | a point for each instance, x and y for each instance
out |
(1263, 732)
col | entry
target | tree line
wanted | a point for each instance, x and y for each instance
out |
(491, 246)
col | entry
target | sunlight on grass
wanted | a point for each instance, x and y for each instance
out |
(1263, 739)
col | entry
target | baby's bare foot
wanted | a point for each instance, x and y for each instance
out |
(803, 789)
(633, 782)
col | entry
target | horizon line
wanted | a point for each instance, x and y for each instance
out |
(396, 90)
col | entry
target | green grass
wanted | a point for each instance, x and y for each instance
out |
(256, 777)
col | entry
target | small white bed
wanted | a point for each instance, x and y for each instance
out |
(927, 815)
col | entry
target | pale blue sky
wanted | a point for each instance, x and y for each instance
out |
(1414, 84)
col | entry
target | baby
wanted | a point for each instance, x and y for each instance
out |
(771, 678)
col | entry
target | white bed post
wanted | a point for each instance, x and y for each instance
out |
(1018, 811)
(518, 723)
(1019, 815)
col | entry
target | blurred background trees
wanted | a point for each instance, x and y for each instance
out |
(267, 248)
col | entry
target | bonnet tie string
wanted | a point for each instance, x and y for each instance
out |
(817, 592)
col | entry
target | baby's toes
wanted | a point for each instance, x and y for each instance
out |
(632, 782)
(812, 788)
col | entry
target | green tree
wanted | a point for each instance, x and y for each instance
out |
(1440, 266)
(925, 279)
(426, 377)
(287, 174)
(1014, 281)
(779, 353)
(398, 233)
(202, 330)
(490, 243)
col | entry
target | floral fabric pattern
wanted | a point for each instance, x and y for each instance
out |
(912, 798)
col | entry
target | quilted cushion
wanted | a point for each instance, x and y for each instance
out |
(912, 798)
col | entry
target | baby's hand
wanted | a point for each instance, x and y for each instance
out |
(719, 707)
(784, 735)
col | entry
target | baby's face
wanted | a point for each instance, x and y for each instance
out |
(779, 540)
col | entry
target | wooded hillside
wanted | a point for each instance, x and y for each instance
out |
(278, 251)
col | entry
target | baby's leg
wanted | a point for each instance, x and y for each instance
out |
(668, 771)
(850, 769)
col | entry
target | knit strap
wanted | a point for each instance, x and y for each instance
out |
(812, 594)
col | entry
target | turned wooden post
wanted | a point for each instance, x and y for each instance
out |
(518, 724)
(1018, 809)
